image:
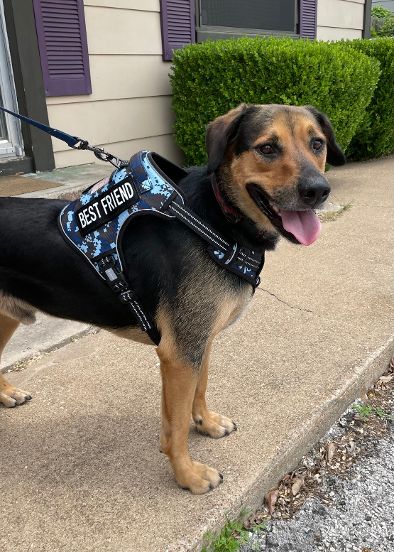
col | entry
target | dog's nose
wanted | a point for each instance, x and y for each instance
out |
(314, 191)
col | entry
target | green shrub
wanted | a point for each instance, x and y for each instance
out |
(375, 136)
(380, 12)
(382, 22)
(210, 78)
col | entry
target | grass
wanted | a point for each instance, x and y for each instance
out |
(229, 539)
(381, 413)
(366, 410)
(233, 534)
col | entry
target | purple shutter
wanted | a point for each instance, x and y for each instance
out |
(308, 18)
(62, 42)
(177, 25)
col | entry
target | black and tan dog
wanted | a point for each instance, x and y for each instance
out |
(269, 162)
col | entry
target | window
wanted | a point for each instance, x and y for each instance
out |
(187, 21)
(219, 19)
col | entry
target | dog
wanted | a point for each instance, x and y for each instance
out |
(269, 163)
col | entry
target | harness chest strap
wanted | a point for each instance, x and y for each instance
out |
(94, 224)
(241, 261)
(118, 284)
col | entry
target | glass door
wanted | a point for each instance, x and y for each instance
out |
(11, 143)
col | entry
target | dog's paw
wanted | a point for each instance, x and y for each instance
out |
(214, 425)
(11, 396)
(198, 478)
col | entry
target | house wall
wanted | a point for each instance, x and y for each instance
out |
(338, 19)
(130, 105)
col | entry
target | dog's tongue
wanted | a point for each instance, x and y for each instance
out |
(304, 225)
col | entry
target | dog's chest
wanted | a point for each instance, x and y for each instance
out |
(234, 308)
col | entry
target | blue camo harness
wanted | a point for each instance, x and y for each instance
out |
(94, 225)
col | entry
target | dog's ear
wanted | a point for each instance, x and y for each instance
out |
(220, 134)
(335, 155)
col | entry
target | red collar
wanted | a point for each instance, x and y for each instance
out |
(232, 213)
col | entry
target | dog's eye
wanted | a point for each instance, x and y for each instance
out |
(266, 149)
(317, 144)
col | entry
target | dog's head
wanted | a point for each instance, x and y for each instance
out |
(270, 161)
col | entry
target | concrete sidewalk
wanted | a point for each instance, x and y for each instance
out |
(45, 334)
(80, 467)
(70, 179)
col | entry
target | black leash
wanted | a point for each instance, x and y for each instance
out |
(73, 142)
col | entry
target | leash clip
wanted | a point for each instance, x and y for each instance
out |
(100, 153)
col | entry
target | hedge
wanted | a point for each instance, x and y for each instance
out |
(210, 78)
(375, 136)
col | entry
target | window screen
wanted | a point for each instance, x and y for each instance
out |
(271, 15)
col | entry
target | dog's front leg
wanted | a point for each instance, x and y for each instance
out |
(179, 385)
(208, 422)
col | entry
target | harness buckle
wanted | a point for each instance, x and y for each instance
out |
(115, 280)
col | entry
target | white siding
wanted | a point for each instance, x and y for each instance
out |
(338, 19)
(130, 105)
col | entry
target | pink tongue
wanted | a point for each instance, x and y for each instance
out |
(304, 225)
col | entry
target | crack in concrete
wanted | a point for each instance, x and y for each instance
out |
(295, 307)
(372, 205)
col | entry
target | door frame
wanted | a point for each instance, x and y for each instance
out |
(26, 64)
(13, 146)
